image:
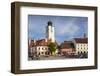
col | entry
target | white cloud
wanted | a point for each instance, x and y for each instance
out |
(70, 28)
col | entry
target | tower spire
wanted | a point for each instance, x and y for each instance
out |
(50, 31)
(49, 23)
(84, 35)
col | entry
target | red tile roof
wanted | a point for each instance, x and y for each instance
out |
(81, 40)
(42, 42)
(67, 44)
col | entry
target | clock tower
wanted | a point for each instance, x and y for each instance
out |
(50, 31)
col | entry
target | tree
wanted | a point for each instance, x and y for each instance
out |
(52, 48)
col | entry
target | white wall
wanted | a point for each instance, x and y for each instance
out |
(5, 33)
(81, 47)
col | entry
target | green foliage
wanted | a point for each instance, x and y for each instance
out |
(52, 47)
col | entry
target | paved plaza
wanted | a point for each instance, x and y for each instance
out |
(58, 57)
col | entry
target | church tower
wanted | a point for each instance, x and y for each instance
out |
(50, 32)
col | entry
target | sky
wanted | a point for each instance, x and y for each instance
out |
(66, 27)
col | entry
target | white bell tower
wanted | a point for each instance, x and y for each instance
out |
(50, 32)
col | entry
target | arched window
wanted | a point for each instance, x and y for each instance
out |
(45, 48)
(39, 48)
(39, 53)
(78, 52)
(42, 52)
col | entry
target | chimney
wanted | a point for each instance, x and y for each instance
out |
(45, 39)
(34, 41)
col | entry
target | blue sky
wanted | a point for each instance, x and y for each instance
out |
(66, 27)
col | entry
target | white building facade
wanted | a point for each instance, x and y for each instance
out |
(40, 50)
(81, 45)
